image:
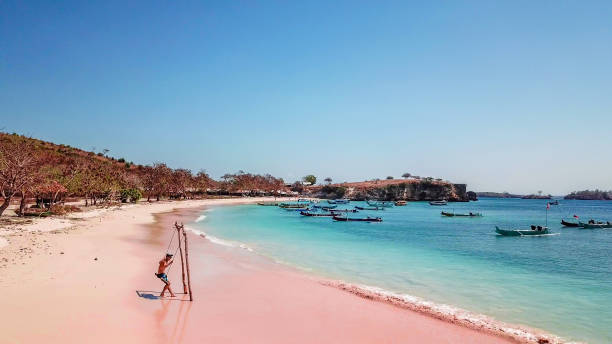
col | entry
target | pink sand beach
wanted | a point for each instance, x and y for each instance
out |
(93, 282)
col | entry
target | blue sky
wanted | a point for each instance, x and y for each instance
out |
(505, 96)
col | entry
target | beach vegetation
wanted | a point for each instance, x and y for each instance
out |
(406, 175)
(310, 179)
(130, 195)
(49, 174)
(328, 180)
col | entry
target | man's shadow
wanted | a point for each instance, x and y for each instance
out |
(154, 295)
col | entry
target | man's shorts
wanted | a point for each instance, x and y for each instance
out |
(163, 277)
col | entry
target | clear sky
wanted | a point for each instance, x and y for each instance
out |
(505, 96)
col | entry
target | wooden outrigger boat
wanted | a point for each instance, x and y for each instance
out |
(297, 209)
(470, 214)
(343, 201)
(400, 203)
(344, 210)
(367, 219)
(535, 230)
(594, 225)
(370, 208)
(442, 202)
(292, 205)
(306, 213)
(331, 201)
(325, 207)
(380, 204)
(570, 224)
(304, 200)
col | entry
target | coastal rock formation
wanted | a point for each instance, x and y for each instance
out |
(393, 190)
(472, 196)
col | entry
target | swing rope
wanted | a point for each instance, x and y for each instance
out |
(168, 249)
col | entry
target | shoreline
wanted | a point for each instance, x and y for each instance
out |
(82, 299)
(444, 312)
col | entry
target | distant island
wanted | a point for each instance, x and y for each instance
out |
(498, 195)
(533, 196)
(509, 195)
(590, 195)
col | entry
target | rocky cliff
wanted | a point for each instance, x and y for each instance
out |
(393, 190)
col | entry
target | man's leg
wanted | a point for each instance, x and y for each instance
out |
(163, 291)
(169, 289)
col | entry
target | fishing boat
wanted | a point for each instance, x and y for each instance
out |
(306, 213)
(343, 201)
(556, 202)
(297, 209)
(385, 204)
(400, 203)
(442, 202)
(470, 214)
(570, 224)
(535, 230)
(592, 225)
(292, 205)
(324, 207)
(370, 208)
(269, 204)
(344, 210)
(366, 219)
(304, 200)
(331, 201)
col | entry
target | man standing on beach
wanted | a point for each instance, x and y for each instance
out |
(161, 274)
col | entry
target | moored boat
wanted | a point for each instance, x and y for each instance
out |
(344, 210)
(385, 204)
(400, 203)
(570, 224)
(593, 225)
(297, 209)
(324, 207)
(370, 208)
(292, 205)
(535, 230)
(331, 201)
(442, 202)
(306, 213)
(470, 214)
(343, 201)
(366, 219)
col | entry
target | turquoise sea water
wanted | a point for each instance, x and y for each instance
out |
(559, 283)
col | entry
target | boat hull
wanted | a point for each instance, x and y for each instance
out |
(569, 224)
(520, 232)
(348, 219)
(438, 203)
(595, 225)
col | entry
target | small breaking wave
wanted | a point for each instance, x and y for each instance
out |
(200, 218)
(218, 241)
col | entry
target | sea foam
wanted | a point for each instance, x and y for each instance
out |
(218, 241)
(448, 313)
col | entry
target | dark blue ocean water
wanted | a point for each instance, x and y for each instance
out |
(560, 283)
